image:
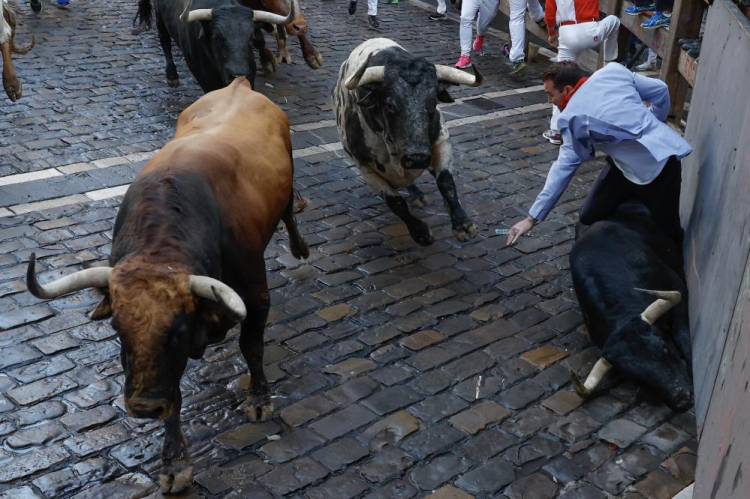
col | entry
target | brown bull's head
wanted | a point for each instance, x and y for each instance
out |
(162, 315)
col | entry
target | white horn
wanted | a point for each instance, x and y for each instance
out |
(665, 300)
(375, 74)
(189, 15)
(584, 390)
(90, 278)
(262, 16)
(453, 75)
(213, 289)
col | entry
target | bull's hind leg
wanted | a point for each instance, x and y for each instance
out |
(463, 228)
(281, 42)
(258, 405)
(173, 80)
(177, 474)
(297, 244)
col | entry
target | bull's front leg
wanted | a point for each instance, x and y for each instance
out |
(177, 474)
(310, 53)
(11, 84)
(463, 228)
(258, 406)
(418, 229)
(267, 59)
(283, 55)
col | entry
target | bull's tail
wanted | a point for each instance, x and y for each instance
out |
(145, 13)
(300, 202)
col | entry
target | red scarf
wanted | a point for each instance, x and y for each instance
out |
(567, 98)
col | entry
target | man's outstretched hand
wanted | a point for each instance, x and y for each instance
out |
(520, 229)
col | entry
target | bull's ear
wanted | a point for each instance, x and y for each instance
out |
(103, 310)
(443, 95)
(369, 100)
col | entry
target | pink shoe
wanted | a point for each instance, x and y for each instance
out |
(464, 62)
(478, 43)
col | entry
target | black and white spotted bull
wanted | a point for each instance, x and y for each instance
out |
(386, 113)
(630, 284)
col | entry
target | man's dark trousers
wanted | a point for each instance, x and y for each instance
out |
(661, 196)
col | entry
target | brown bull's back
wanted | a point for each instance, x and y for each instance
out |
(239, 141)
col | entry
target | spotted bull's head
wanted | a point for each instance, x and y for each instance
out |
(399, 101)
(227, 32)
(163, 315)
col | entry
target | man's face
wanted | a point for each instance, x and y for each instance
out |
(554, 95)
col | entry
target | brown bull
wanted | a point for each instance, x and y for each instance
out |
(11, 84)
(187, 256)
(297, 28)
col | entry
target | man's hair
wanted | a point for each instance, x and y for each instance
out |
(563, 74)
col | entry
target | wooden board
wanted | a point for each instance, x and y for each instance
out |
(687, 67)
(715, 203)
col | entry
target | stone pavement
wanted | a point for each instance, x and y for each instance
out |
(396, 370)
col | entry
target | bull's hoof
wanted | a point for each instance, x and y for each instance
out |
(423, 237)
(258, 408)
(314, 61)
(299, 249)
(177, 477)
(578, 385)
(173, 83)
(284, 57)
(141, 28)
(465, 231)
(270, 66)
(419, 201)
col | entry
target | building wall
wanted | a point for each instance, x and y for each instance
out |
(715, 209)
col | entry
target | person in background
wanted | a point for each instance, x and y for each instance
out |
(517, 28)
(372, 11)
(439, 14)
(606, 112)
(579, 30)
(650, 64)
(484, 11)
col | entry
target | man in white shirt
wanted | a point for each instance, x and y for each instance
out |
(607, 112)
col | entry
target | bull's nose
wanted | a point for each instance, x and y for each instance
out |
(149, 408)
(416, 161)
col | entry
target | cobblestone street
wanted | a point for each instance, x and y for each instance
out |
(396, 370)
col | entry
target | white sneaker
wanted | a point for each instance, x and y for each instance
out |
(646, 66)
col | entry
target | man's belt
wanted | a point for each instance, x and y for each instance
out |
(566, 23)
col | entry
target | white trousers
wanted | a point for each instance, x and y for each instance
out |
(517, 26)
(441, 8)
(484, 11)
(372, 7)
(574, 39)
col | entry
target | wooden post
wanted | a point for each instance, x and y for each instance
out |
(686, 23)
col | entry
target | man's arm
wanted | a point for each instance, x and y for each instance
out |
(558, 178)
(550, 14)
(655, 92)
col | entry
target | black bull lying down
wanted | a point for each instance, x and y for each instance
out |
(215, 36)
(187, 256)
(386, 113)
(630, 285)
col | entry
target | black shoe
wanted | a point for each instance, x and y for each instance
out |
(685, 41)
(36, 6)
(374, 21)
(694, 52)
(437, 16)
(692, 45)
(352, 7)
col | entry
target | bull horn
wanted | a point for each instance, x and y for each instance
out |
(189, 15)
(453, 75)
(262, 16)
(665, 300)
(584, 390)
(215, 290)
(364, 75)
(90, 278)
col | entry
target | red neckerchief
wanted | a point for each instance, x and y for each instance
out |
(567, 98)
